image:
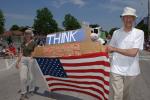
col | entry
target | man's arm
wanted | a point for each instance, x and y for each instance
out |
(127, 52)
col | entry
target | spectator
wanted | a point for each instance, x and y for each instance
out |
(11, 51)
(3, 51)
(108, 38)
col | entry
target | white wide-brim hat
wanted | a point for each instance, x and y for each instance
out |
(29, 32)
(129, 11)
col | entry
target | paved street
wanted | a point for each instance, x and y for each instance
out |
(9, 83)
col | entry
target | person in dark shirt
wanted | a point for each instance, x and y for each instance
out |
(25, 63)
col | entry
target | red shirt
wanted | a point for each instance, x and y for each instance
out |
(12, 49)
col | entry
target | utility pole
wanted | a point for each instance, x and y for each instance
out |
(148, 19)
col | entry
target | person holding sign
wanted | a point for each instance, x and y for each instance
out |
(25, 64)
(125, 45)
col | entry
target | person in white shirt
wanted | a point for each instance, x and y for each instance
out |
(125, 45)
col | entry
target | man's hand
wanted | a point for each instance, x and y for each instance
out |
(110, 49)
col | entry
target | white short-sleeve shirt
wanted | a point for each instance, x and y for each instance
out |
(125, 65)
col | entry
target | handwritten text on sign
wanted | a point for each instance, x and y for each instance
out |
(65, 37)
(63, 50)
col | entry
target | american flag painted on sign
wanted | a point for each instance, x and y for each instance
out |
(88, 74)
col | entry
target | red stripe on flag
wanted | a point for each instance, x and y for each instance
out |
(81, 82)
(79, 87)
(89, 70)
(104, 63)
(90, 77)
(86, 77)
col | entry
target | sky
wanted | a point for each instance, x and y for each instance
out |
(106, 13)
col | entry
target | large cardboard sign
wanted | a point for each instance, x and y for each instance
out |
(63, 50)
(66, 37)
(71, 43)
(75, 65)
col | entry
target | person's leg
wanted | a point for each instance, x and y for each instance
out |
(31, 75)
(23, 77)
(128, 83)
(116, 87)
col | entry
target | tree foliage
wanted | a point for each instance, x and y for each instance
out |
(70, 22)
(143, 27)
(44, 22)
(9, 39)
(14, 27)
(112, 30)
(2, 22)
(94, 25)
(23, 28)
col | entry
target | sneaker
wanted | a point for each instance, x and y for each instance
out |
(23, 97)
(19, 91)
(31, 93)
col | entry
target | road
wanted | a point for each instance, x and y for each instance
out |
(9, 83)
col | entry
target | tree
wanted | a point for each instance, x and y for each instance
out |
(9, 39)
(2, 22)
(70, 22)
(60, 29)
(94, 25)
(44, 22)
(144, 26)
(112, 30)
(14, 27)
(23, 28)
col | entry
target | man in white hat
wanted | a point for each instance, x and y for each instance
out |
(125, 45)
